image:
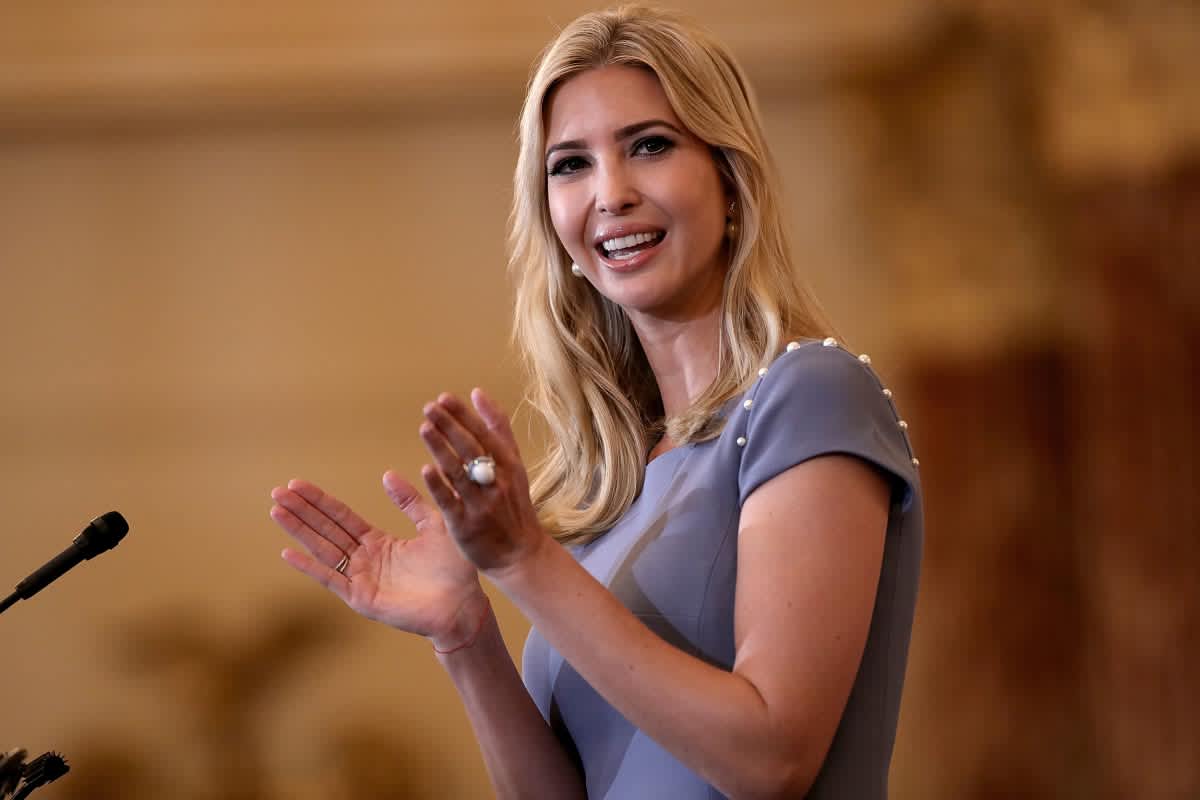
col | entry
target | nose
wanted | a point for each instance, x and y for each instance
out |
(615, 192)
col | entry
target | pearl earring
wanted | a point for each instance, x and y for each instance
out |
(575, 270)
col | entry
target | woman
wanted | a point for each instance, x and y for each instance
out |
(732, 613)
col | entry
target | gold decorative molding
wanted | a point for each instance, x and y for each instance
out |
(133, 63)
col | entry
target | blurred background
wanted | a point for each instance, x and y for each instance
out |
(241, 243)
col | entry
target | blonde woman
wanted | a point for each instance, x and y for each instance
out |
(719, 552)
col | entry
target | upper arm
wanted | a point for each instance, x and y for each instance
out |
(825, 461)
(809, 553)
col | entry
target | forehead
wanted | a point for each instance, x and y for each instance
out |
(599, 101)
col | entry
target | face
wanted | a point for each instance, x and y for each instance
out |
(635, 198)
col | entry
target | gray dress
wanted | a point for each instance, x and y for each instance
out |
(672, 560)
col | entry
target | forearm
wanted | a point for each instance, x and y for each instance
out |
(523, 757)
(715, 722)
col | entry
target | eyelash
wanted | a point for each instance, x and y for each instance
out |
(564, 167)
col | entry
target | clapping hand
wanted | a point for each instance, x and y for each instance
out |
(488, 513)
(429, 584)
(422, 585)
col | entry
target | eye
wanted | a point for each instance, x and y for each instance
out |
(567, 166)
(653, 145)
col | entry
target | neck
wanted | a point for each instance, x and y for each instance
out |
(682, 354)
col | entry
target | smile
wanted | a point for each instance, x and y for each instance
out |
(629, 251)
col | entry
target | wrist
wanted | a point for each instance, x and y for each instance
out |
(466, 626)
(531, 562)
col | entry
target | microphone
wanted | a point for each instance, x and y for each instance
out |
(102, 534)
(46, 768)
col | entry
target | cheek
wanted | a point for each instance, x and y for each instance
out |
(568, 223)
(701, 202)
(707, 218)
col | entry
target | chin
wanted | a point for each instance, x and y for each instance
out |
(636, 296)
(658, 306)
(677, 302)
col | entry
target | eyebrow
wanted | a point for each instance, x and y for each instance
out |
(621, 133)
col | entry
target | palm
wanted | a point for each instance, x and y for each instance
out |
(417, 585)
(411, 584)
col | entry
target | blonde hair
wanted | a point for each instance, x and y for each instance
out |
(590, 379)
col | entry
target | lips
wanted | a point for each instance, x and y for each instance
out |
(626, 247)
(630, 258)
(623, 247)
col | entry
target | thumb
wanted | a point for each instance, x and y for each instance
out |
(406, 497)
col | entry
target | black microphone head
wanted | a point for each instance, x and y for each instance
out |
(102, 534)
(46, 768)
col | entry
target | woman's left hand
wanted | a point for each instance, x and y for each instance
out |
(494, 525)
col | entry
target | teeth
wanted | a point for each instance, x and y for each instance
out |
(624, 242)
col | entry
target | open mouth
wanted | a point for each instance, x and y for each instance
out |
(624, 248)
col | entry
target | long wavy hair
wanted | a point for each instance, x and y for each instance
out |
(590, 379)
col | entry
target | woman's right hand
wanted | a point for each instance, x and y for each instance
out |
(422, 585)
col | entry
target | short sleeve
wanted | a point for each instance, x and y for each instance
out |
(815, 400)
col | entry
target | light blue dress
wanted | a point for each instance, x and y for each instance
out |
(672, 560)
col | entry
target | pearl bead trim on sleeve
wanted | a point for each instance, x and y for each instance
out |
(864, 359)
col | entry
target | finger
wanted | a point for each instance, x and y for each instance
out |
(490, 439)
(328, 577)
(443, 495)
(314, 518)
(409, 500)
(495, 418)
(333, 508)
(450, 426)
(447, 460)
(324, 550)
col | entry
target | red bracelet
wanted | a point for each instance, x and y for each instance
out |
(487, 604)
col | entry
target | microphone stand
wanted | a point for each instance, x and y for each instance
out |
(12, 768)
